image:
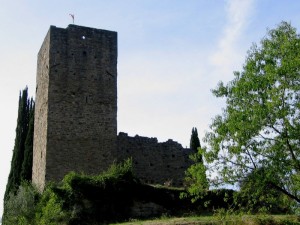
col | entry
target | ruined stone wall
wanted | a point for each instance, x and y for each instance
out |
(76, 113)
(76, 103)
(154, 162)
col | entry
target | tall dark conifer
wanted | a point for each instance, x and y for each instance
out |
(194, 142)
(26, 172)
(197, 169)
(25, 112)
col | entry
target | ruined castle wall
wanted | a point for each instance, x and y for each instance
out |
(154, 162)
(81, 100)
(76, 114)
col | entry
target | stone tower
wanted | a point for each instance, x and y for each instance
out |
(76, 103)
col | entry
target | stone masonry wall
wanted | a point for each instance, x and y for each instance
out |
(76, 114)
(154, 162)
(41, 113)
(76, 103)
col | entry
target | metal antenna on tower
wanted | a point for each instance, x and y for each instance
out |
(72, 15)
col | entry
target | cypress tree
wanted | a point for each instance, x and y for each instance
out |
(197, 169)
(25, 112)
(26, 172)
(194, 142)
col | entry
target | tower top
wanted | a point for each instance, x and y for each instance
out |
(76, 103)
(78, 27)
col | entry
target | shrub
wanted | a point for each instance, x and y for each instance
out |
(49, 209)
(105, 197)
(20, 207)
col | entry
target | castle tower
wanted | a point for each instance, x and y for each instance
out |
(76, 103)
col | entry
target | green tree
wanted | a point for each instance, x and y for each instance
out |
(195, 175)
(16, 175)
(195, 145)
(194, 142)
(260, 125)
(21, 206)
(256, 195)
(26, 172)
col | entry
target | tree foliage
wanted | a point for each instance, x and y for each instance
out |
(194, 142)
(26, 172)
(78, 199)
(195, 177)
(195, 145)
(20, 207)
(256, 195)
(259, 128)
(21, 164)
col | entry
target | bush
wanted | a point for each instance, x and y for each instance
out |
(20, 207)
(49, 210)
(79, 199)
(105, 197)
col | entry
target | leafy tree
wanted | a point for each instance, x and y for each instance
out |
(256, 195)
(260, 126)
(195, 176)
(21, 206)
(22, 141)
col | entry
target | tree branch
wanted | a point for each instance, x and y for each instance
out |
(269, 139)
(239, 164)
(272, 184)
(277, 131)
(293, 154)
(248, 153)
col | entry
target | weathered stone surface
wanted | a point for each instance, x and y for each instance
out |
(153, 162)
(146, 210)
(76, 113)
(76, 103)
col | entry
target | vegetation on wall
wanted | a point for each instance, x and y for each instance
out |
(255, 142)
(114, 195)
(79, 199)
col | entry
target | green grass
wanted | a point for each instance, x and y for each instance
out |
(228, 220)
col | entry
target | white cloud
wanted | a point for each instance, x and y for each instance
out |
(228, 52)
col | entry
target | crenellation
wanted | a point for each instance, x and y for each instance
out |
(155, 162)
(76, 113)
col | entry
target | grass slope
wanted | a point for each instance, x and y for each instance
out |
(219, 219)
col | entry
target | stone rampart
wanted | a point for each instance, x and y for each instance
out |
(154, 162)
(75, 126)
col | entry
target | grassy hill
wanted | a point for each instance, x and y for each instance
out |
(218, 219)
(117, 196)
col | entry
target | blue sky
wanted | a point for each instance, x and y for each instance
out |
(171, 54)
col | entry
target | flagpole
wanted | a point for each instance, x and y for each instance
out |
(72, 15)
